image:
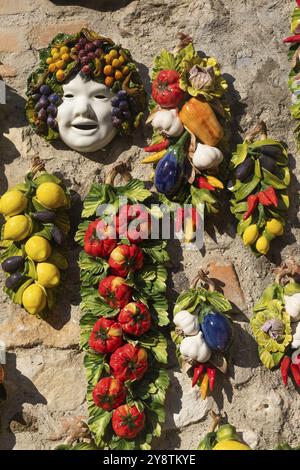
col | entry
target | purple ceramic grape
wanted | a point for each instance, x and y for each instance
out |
(84, 60)
(115, 102)
(122, 95)
(51, 122)
(45, 90)
(44, 101)
(116, 112)
(52, 110)
(91, 55)
(54, 98)
(97, 43)
(123, 105)
(89, 47)
(126, 115)
(82, 42)
(38, 106)
(82, 53)
(42, 114)
(98, 52)
(116, 122)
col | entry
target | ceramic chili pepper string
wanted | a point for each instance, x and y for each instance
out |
(123, 285)
(33, 239)
(189, 116)
(294, 56)
(259, 180)
(276, 323)
(203, 333)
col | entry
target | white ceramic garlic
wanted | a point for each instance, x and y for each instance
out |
(187, 322)
(292, 306)
(84, 117)
(296, 335)
(195, 348)
(167, 120)
(207, 157)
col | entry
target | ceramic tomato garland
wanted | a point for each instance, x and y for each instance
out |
(123, 284)
(203, 333)
(33, 240)
(259, 180)
(190, 117)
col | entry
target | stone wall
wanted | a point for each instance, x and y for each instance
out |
(45, 376)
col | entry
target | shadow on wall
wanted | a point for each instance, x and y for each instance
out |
(20, 390)
(11, 116)
(101, 5)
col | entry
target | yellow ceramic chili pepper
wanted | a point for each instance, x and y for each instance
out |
(204, 387)
(155, 157)
(215, 182)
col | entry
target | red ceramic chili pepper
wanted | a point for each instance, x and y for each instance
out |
(263, 199)
(271, 195)
(204, 184)
(284, 369)
(298, 3)
(295, 38)
(296, 373)
(158, 147)
(252, 202)
(211, 372)
(198, 370)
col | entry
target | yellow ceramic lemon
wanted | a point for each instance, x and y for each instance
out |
(250, 235)
(38, 248)
(262, 245)
(48, 274)
(34, 299)
(230, 445)
(17, 228)
(275, 227)
(13, 203)
(51, 195)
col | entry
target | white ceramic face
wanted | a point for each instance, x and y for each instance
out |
(84, 117)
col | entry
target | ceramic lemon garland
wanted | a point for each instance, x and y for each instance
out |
(259, 180)
(294, 56)
(203, 333)
(32, 239)
(123, 285)
(276, 323)
(189, 116)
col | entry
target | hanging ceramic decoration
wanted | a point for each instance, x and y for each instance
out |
(123, 291)
(33, 239)
(294, 56)
(189, 116)
(203, 333)
(85, 91)
(259, 180)
(222, 437)
(276, 323)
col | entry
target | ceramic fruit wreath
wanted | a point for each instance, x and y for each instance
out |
(222, 437)
(276, 323)
(85, 90)
(294, 56)
(32, 239)
(189, 117)
(123, 285)
(259, 181)
(203, 333)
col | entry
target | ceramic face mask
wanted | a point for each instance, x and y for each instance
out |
(85, 91)
(84, 118)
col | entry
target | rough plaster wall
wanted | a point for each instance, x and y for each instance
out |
(45, 376)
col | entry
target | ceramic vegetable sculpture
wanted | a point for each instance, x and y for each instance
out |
(189, 116)
(123, 284)
(222, 437)
(259, 181)
(294, 56)
(85, 91)
(276, 323)
(203, 333)
(32, 241)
